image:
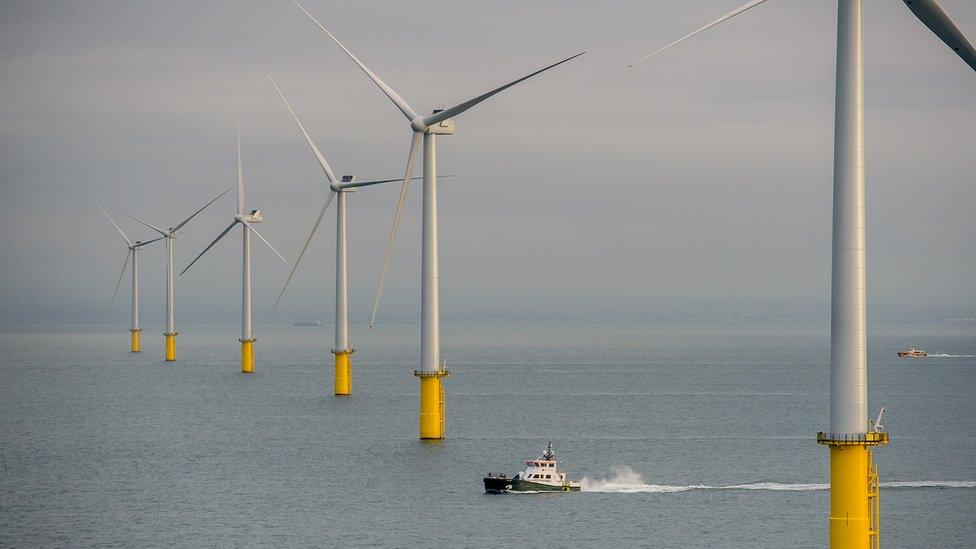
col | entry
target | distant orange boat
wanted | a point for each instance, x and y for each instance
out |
(912, 352)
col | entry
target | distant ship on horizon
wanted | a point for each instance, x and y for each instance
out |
(308, 323)
(913, 353)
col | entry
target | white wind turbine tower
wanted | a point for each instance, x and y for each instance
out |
(132, 248)
(170, 236)
(245, 221)
(440, 122)
(854, 515)
(338, 190)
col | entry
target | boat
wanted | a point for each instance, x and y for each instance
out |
(912, 352)
(540, 475)
(308, 323)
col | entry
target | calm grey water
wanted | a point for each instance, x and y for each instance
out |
(102, 447)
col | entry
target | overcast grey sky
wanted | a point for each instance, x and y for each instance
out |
(695, 184)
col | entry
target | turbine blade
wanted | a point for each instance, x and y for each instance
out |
(401, 104)
(147, 242)
(240, 171)
(318, 154)
(265, 240)
(146, 223)
(378, 181)
(125, 265)
(458, 109)
(211, 245)
(729, 15)
(374, 182)
(311, 233)
(205, 206)
(397, 212)
(116, 225)
(932, 14)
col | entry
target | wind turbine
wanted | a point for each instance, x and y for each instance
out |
(854, 513)
(338, 190)
(132, 247)
(427, 128)
(169, 236)
(245, 221)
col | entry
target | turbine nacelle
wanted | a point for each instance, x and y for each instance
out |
(253, 217)
(346, 185)
(443, 127)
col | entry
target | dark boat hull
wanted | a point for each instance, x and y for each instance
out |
(494, 485)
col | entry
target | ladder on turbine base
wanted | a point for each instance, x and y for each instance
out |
(442, 404)
(874, 503)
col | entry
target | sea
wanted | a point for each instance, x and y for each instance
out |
(687, 434)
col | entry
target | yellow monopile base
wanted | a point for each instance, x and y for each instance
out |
(170, 347)
(343, 372)
(854, 505)
(433, 413)
(135, 341)
(247, 356)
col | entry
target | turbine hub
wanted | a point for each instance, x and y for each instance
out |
(417, 124)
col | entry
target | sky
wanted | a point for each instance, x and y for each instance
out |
(694, 185)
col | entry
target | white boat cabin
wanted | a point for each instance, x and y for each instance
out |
(541, 471)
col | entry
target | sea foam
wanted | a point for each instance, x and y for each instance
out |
(625, 481)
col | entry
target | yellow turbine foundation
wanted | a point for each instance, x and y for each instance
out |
(247, 356)
(343, 372)
(170, 347)
(135, 341)
(854, 505)
(433, 413)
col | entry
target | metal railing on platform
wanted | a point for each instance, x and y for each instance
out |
(870, 438)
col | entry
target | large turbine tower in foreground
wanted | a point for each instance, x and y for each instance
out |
(170, 236)
(133, 247)
(338, 189)
(426, 128)
(245, 220)
(854, 511)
